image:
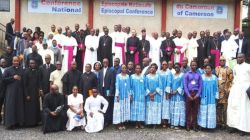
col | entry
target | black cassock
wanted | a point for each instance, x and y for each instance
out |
(34, 56)
(133, 45)
(202, 51)
(70, 79)
(80, 38)
(213, 44)
(167, 49)
(31, 78)
(8, 58)
(105, 49)
(144, 49)
(14, 99)
(51, 123)
(88, 82)
(45, 75)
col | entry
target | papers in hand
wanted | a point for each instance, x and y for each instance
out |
(59, 109)
(77, 117)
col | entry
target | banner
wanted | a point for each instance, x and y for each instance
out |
(200, 10)
(55, 6)
(126, 8)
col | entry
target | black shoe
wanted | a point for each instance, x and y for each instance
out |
(188, 129)
(242, 133)
(231, 130)
(195, 129)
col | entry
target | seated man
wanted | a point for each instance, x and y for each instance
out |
(95, 118)
(54, 115)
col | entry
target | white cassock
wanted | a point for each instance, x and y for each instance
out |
(49, 42)
(119, 46)
(68, 51)
(155, 51)
(228, 50)
(238, 110)
(90, 57)
(93, 104)
(59, 39)
(39, 46)
(44, 52)
(191, 51)
(181, 45)
(75, 102)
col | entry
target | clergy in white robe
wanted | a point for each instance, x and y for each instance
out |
(181, 46)
(75, 112)
(238, 111)
(44, 51)
(59, 37)
(155, 49)
(192, 45)
(119, 45)
(95, 114)
(91, 43)
(68, 51)
(228, 49)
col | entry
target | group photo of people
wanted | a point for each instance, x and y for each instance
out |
(74, 78)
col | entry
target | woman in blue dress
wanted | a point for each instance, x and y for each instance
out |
(137, 113)
(177, 100)
(166, 81)
(121, 112)
(209, 94)
(153, 96)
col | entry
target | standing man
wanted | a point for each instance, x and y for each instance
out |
(167, 49)
(56, 76)
(133, 48)
(88, 81)
(9, 31)
(34, 56)
(14, 111)
(77, 35)
(119, 40)
(71, 79)
(44, 51)
(225, 79)
(2, 85)
(46, 69)
(181, 46)
(202, 49)
(32, 88)
(59, 37)
(154, 53)
(56, 52)
(146, 66)
(243, 44)
(192, 45)
(105, 47)
(91, 43)
(213, 50)
(8, 56)
(238, 101)
(106, 86)
(185, 68)
(68, 51)
(192, 87)
(144, 45)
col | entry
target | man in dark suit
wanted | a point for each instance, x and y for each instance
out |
(106, 86)
(46, 70)
(105, 47)
(243, 44)
(9, 31)
(2, 87)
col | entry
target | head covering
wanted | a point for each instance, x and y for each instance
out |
(222, 58)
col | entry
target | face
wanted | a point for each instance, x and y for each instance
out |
(184, 62)
(73, 66)
(206, 62)
(59, 30)
(45, 46)
(105, 62)
(77, 27)
(106, 31)
(87, 68)
(240, 58)
(189, 35)
(53, 28)
(164, 65)
(138, 69)
(15, 62)
(3, 63)
(207, 33)
(116, 62)
(92, 31)
(194, 34)
(75, 90)
(152, 69)
(54, 89)
(145, 62)
(34, 48)
(69, 32)
(130, 65)
(202, 34)
(167, 35)
(47, 59)
(58, 66)
(222, 62)
(193, 65)
(241, 35)
(177, 68)
(208, 70)
(124, 69)
(179, 34)
(133, 33)
(40, 39)
(32, 64)
(170, 64)
(9, 50)
(54, 42)
(95, 93)
(97, 66)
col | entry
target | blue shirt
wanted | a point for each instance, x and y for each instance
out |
(192, 82)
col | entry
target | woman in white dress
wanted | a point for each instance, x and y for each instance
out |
(75, 111)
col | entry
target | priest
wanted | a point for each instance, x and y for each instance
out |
(133, 49)
(105, 47)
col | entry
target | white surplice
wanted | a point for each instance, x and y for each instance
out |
(75, 102)
(191, 51)
(93, 104)
(155, 51)
(182, 42)
(228, 49)
(90, 56)
(68, 41)
(119, 37)
(238, 110)
(59, 38)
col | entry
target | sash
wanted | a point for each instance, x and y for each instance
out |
(170, 49)
(136, 55)
(121, 45)
(59, 45)
(217, 56)
(181, 54)
(70, 54)
(82, 46)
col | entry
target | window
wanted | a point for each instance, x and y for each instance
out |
(4, 5)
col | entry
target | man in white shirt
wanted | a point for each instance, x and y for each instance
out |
(59, 37)
(56, 77)
(44, 51)
(192, 45)
(155, 49)
(95, 114)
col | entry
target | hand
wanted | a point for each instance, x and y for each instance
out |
(195, 97)
(92, 49)
(53, 114)
(191, 98)
(41, 93)
(131, 98)
(178, 51)
(209, 57)
(118, 98)
(152, 96)
(131, 52)
(91, 114)
(17, 77)
(81, 114)
(28, 98)
(168, 96)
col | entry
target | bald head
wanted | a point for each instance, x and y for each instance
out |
(54, 89)
(145, 62)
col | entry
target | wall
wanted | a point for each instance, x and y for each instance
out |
(198, 24)
(31, 20)
(152, 24)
